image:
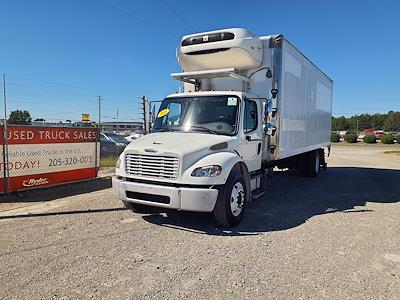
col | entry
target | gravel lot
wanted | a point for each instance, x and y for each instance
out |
(333, 237)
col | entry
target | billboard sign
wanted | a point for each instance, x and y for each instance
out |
(42, 156)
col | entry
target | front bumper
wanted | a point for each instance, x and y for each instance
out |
(181, 198)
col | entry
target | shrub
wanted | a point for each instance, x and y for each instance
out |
(335, 138)
(370, 139)
(387, 139)
(350, 138)
(351, 131)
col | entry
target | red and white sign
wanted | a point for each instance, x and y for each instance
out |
(41, 156)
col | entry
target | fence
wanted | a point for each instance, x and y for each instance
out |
(42, 156)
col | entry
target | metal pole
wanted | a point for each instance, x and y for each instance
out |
(357, 125)
(99, 98)
(96, 152)
(6, 178)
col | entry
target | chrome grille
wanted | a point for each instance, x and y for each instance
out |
(152, 165)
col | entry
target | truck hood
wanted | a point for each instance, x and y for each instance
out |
(190, 146)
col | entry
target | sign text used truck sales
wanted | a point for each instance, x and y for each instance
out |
(39, 156)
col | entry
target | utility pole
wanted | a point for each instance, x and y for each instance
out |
(145, 108)
(357, 125)
(100, 98)
(6, 177)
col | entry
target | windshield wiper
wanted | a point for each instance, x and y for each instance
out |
(204, 129)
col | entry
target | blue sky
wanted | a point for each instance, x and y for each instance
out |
(59, 55)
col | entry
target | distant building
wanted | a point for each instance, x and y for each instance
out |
(122, 126)
(61, 124)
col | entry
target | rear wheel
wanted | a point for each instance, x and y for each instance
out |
(232, 200)
(309, 164)
(314, 164)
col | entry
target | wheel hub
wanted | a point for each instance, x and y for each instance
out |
(237, 199)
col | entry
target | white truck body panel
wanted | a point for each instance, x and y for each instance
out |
(304, 105)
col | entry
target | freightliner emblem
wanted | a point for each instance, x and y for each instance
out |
(150, 150)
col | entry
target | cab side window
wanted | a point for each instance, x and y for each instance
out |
(250, 116)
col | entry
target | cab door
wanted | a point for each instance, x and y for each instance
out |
(251, 144)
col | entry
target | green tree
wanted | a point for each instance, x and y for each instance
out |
(379, 120)
(22, 117)
(392, 122)
(340, 123)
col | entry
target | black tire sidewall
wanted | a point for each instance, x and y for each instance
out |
(225, 195)
(312, 161)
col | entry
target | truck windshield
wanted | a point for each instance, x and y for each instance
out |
(208, 114)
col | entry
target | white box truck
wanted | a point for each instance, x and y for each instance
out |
(249, 104)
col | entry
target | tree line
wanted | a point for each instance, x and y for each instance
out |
(23, 117)
(388, 122)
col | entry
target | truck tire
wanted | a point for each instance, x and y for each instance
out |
(308, 165)
(232, 200)
(313, 163)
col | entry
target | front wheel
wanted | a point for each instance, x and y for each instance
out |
(232, 200)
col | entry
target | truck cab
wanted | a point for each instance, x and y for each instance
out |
(198, 141)
(248, 104)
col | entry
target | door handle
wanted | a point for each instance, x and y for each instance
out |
(249, 139)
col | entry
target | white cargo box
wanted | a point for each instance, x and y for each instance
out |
(304, 103)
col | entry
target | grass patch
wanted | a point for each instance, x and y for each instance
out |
(108, 161)
(395, 152)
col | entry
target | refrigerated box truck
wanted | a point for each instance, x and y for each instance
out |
(248, 104)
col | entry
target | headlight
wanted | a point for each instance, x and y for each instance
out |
(118, 163)
(207, 171)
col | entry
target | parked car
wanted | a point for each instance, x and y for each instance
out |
(108, 148)
(112, 143)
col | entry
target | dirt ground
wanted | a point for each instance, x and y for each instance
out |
(332, 237)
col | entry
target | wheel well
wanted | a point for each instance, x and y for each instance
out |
(242, 168)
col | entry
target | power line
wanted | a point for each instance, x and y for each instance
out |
(48, 89)
(178, 16)
(65, 85)
(78, 99)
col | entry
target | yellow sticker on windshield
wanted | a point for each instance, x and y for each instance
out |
(162, 113)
